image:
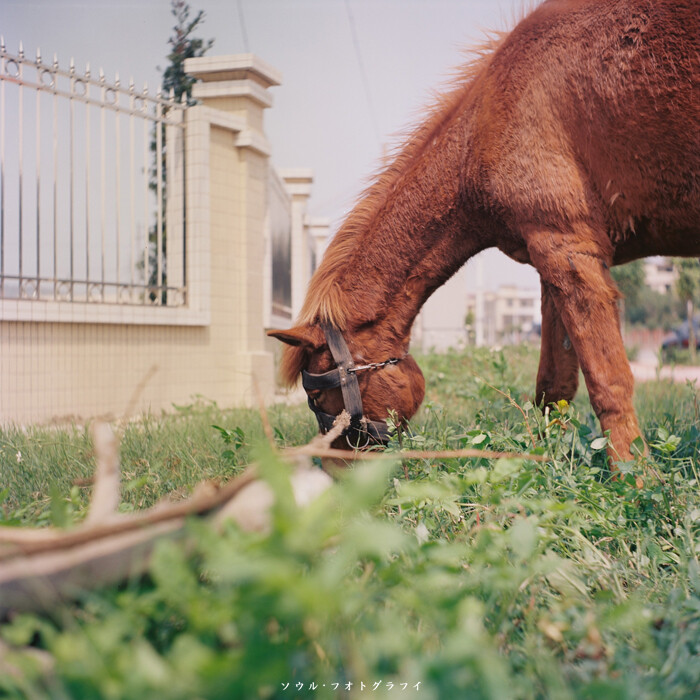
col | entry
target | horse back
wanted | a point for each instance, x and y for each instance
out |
(591, 108)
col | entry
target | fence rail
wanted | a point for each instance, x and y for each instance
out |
(92, 201)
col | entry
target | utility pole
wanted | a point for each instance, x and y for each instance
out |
(479, 311)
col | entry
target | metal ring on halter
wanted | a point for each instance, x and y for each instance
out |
(358, 446)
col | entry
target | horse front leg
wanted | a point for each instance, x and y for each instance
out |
(557, 375)
(574, 266)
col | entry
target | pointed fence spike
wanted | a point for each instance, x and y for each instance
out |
(87, 69)
(72, 65)
(38, 56)
(55, 61)
(171, 95)
(183, 97)
(2, 44)
(116, 79)
(21, 50)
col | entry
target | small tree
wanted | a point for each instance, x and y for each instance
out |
(688, 289)
(469, 325)
(630, 281)
(182, 46)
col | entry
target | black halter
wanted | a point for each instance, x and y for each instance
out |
(362, 432)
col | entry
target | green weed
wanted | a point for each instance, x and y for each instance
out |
(460, 578)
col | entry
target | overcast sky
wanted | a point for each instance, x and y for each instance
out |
(341, 102)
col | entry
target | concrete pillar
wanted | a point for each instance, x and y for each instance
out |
(319, 235)
(233, 93)
(297, 182)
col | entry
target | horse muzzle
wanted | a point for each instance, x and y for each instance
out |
(362, 432)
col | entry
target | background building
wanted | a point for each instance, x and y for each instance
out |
(510, 315)
(453, 317)
(659, 274)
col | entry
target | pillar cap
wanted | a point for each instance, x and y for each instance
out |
(319, 225)
(296, 175)
(297, 181)
(242, 66)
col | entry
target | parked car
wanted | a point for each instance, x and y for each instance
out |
(679, 336)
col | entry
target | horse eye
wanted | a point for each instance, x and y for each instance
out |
(314, 393)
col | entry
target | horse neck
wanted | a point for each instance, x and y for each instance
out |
(396, 248)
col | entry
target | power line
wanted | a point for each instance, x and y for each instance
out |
(244, 31)
(363, 72)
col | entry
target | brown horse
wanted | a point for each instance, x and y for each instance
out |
(571, 144)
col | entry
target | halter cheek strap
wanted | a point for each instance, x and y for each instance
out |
(361, 432)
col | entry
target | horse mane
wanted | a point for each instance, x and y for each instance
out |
(292, 362)
(325, 300)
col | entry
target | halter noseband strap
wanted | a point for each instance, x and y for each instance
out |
(361, 432)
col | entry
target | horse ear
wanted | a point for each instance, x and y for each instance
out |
(301, 336)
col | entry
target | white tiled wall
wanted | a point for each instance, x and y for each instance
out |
(60, 360)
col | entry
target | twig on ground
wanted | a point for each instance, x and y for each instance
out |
(514, 403)
(262, 408)
(45, 539)
(311, 451)
(136, 394)
(39, 567)
(105, 492)
(324, 441)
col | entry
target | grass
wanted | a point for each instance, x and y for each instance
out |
(461, 578)
(159, 455)
(679, 356)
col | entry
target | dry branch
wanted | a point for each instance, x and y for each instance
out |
(13, 542)
(515, 404)
(311, 450)
(105, 491)
(250, 507)
(38, 581)
(41, 567)
(47, 567)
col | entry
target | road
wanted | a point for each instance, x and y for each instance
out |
(646, 368)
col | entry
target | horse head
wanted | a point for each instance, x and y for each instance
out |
(359, 371)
